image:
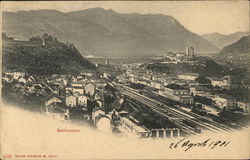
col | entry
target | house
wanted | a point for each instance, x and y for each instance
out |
(199, 90)
(226, 101)
(180, 82)
(82, 100)
(72, 89)
(186, 99)
(156, 84)
(51, 99)
(96, 113)
(8, 78)
(71, 101)
(73, 79)
(147, 77)
(216, 81)
(145, 82)
(57, 110)
(188, 76)
(244, 105)
(31, 79)
(175, 89)
(106, 75)
(90, 89)
(77, 84)
(192, 83)
(17, 75)
(88, 74)
(177, 92)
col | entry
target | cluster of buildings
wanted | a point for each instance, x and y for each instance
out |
(188, 56)
(227, 82)
(63, 96)
(184, 86)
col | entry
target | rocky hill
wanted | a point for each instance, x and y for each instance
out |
(103, 32)
(53, 57)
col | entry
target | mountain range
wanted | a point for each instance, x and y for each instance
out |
(222, 40)
(101, 32)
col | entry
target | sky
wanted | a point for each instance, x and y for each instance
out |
(198, 16)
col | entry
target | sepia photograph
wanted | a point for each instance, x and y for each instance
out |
(125, 80)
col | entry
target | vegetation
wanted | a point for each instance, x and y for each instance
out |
(203, 80)
(34, 58)
(203, 100)
(203, 66)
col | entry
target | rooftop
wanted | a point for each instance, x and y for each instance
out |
(175, 86)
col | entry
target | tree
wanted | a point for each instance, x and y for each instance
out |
(203, 80)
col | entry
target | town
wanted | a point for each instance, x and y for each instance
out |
(135, 99)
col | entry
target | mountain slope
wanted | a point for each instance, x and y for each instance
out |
(53, 58)
(107, 33)
(175, 36)
(221, 40)
(240, 46)
(236, 54)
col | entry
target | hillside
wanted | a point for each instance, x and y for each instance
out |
(102, 32)
(240, 46)
(211, 68)
(222, 40)
(236, 54)
(53, 58)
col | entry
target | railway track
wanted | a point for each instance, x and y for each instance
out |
(189, 130)
(178, 113)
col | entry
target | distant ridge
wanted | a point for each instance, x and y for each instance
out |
(101, 32)
(222, 40)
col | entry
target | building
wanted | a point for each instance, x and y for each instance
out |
(199, 90)
(188, 76)
(57, 111)
(106, 62)
(71, 101)
(88, 74)
(177, 92)
(72, 89)
(17, 75)
(233, 81)
(216, 81)
(52, 99)
(90, 89)
(132, 127)
(82, 101)
(189, 51)
(144, 82)
(22, 80)
(77, 84)
(175, 89)
(226, 101)
(245, 106)
(156, 84)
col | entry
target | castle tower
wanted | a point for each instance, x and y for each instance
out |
(189, 51)
(43, 42)
(106, 62)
